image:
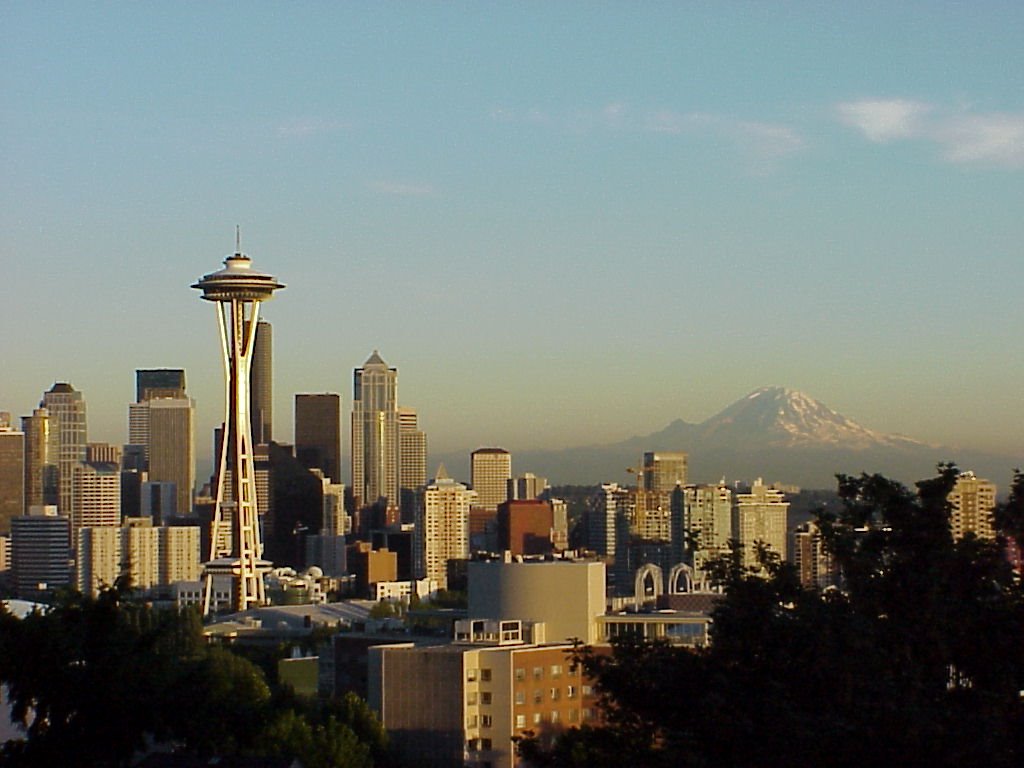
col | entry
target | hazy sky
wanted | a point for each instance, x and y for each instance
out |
(563, 222)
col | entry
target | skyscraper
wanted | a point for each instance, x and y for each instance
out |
(67, 435)
(159, 382)
(759, 517)
(442, 530)
(12, 476)
(40, 463)
(162, 423)
(237, 291)
(663, 470)
(318, 433)
(40, 551)
(172, 447)
(412, 461)
(490, 471)
(972, 501)
(375, 432)
(97, 496)
(701, 522)
(261, 388)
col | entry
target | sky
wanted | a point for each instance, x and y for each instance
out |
(564, 223)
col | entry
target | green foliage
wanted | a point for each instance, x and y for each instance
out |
(916, 660)
(93, 680)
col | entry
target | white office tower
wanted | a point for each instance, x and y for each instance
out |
(375, 433)
(442, 526)
(237, 291)
(67, 434)
(759, 517)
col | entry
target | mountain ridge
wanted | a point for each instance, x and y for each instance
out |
(778, 433)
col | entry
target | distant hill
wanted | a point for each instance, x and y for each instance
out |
(779, 434)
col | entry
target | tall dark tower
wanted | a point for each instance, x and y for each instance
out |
(236, 549)
(261, 390)
(318, 433)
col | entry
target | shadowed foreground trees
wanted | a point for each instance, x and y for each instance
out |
(93, 681)
(917, 660)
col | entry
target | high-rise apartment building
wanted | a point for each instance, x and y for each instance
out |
(490, 470)
(972, 501)
(442, 527)
(702, 523)
(375, 432)
(412, 461)
(12, 476)
(261, 388)
(318, 433)
(814, 563)
(97, 496)
(67, 433)
(150, 557)
(40, 463)
(664, 470)
(759, 517)
(603, 513)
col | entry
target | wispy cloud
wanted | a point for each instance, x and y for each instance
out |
(764, 144)
(883, 120)
(402, 188)
(304, 127)
(964, 138)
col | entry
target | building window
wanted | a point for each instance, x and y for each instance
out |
(554, 716)
(485, 722)
(536, 718)
(587, 690)
(471, 675)
(471, 721)
(556, 670)
(485, 675)
(538, 673)
(520, 674)
(570, 691)
(555, 694)
(574, 715)
(538, 696)
(485, 697)
(520, 721)
(588, 714)
(471, 697)
(485, 744)
(520, 697)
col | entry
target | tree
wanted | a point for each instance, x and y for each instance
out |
(94, 680)
(916, 660)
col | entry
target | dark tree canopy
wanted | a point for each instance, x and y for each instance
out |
(917, 659)
(94, 680)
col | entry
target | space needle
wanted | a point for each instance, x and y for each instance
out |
(236, 550)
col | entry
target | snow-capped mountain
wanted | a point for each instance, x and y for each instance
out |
(779, 417)
(779, 434)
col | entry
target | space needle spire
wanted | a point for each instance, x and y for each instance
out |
(235, 546)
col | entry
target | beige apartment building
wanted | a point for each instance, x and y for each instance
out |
(464, 703)
(972, 501)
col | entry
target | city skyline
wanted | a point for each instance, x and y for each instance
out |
(679, 203)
